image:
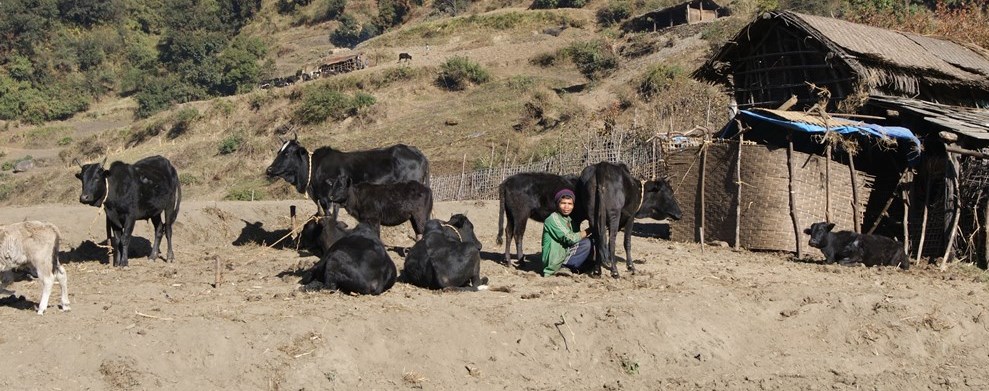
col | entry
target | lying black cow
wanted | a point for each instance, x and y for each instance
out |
(848, 248)
(309, 173)
(613, 199)
(385, 204)
(447, 257)
(147, 189)
(318, 235)
(356, 263)
(529, 196)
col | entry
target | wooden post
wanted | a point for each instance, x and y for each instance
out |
(951, 187)
(738, 193)
(703, 169)
(923, 223)
(654, 161)
(855, 194)
(907, 178)
(793, 195)
(291, 214)
(983, 261)
(463, 172)
(217, 276)
(827, 184)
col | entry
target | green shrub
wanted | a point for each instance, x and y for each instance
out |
(260, 99)
(451, 7)
(222, 107)
(186, 178)
(321, 103)
(550, 4)
(361, 101)
(64, 141)
(245, 194)
(545, 59)
(521, 82)
(183, 120)
(594, 59)
(9, 165)
(457, 73)
(659, 78)
(230, 144)
(615, 12)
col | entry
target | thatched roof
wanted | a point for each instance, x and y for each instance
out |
(964, 121)
(898, 62)
(672, 15)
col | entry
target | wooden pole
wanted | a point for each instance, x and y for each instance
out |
(217, 276)
(827, 184)
(983, 260)
(855, 194)
(463, 172)
(907, 178)
(738, 193)
(952, 191)
(291, 214)
(793, 195)
(703, 169)
(923, 219)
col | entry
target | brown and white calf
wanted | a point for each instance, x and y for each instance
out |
(34, 244)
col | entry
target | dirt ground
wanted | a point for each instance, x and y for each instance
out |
(717, 319)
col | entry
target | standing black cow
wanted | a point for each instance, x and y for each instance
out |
(447, 257)
(357, 263)
(848, 248)
(309, 172)
(613, 199)
(147, 189)
(526, 196)
(387, 204)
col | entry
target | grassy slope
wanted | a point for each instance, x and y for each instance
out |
(414, 111)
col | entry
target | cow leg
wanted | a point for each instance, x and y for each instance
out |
(114, 253)
(612, 242)
(47, 280)
(519, 235)
(6, 277)
(159, 231)
(170, 257)
(628, 246)
(109, 236)
(126, 233)
(509, 231)
(63, 285)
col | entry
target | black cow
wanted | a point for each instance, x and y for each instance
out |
(388, 204)
(404, 57)
(849, 248)
(319, 234)
(309, 172)
(447, 257)
(147, 189)
(357, 263)
(613, 199)
(529, 196)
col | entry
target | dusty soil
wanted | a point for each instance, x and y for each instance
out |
(717, 319)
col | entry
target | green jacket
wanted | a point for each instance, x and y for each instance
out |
(558, 236)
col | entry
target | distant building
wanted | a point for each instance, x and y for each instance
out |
(691, 12)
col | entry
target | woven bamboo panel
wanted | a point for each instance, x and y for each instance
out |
(765, 219)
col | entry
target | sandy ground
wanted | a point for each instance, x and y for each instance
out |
(718, 319)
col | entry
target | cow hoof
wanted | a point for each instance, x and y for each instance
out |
(66, 308)
(614, 275)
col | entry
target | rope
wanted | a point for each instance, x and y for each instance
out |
(308, 177)
(106, 184)
(642, 195)
(293, 231)
(454, 231)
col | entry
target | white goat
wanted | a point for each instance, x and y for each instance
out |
(33, 243)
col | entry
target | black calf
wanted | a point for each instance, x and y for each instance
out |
(357, 263)
(447, 257)
(385, 204)
(848, 248)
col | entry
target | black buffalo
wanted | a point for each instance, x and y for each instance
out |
(613, 198)
(309, 173)
(356, 263)
(848, 248)
(147, 189)
(529, 196)
(319, 234)
(387, 204)
(447, 257)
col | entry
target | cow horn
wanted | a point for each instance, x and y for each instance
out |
(76, 162)
(104, 161)
(295, 136)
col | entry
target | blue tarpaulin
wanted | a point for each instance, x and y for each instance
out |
(859, 128)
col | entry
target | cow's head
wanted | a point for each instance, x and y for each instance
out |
(819, 234)
(465, 228)
(658, 201)
(94, 182)
(339, 188)
(319, 234)
(291, 164)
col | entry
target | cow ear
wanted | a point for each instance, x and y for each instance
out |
(830, 226)
(79, 175)
(807, 231)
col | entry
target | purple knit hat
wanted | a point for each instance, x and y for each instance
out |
(563, 193)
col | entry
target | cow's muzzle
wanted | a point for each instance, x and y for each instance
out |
(85, 198)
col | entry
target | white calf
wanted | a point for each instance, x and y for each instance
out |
(33, 243)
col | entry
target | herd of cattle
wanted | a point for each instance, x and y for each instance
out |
(386, 186)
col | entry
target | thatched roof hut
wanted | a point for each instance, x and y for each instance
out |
(781, 53)
(690, 12)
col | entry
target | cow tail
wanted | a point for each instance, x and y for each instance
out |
(501, 215)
